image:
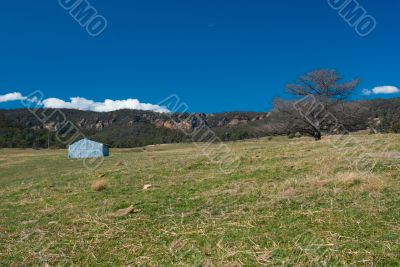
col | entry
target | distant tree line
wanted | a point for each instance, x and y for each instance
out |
(122, 129)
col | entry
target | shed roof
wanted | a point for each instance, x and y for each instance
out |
(86, 140)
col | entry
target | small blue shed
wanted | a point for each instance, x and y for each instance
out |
(86, 148)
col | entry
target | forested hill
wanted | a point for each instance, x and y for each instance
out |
(132, 128)
(125, 128)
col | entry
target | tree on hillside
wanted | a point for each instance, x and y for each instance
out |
(319, 95)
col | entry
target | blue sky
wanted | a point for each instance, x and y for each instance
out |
(215, 55)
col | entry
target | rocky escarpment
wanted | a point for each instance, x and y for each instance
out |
(129, 118)
(131, 128)
(123, 128)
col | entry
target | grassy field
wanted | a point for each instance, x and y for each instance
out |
(292, 202)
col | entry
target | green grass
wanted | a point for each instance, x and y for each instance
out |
(291, 202)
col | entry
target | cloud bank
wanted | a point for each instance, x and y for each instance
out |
(11, 97)
(381, 90)
(81, 103)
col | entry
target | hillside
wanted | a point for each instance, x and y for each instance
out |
(126, 128)
(132, 128)
(291, 202)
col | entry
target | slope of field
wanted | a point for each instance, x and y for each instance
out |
(291, 202)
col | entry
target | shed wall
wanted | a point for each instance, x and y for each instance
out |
(87, 149)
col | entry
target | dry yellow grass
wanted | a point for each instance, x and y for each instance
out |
(289, 193)
(290, 203)
(99, 185)
(347, 177)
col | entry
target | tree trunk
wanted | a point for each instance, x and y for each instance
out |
(317, 136)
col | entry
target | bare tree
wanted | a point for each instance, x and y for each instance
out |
(318, 94)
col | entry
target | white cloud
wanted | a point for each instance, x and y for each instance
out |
(381, 90)
(75, 103)
(108, 104)
(11, 97)
(81, 103)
